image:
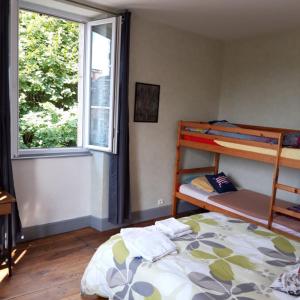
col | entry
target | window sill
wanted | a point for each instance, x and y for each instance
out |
(65, 154)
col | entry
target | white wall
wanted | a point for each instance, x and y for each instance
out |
(188, 68)
(260, 85)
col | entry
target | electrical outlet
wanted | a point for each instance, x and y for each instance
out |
(160, 202)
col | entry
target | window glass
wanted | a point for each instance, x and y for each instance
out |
(101, 83)
(48, 81)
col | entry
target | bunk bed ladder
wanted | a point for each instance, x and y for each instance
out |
(275, 180)
(279, 186)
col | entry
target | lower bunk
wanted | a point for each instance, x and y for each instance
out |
(245, 204)
(223, 258)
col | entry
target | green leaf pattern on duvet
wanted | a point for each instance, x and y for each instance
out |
(195, 220)
(231, 259)
(220, 259)
(282, 252)
(120, 252)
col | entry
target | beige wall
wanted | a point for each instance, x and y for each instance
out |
(260, 85)
(187, 67)
(259, 80)
(52, 189)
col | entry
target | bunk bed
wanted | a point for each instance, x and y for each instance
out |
(264, 144)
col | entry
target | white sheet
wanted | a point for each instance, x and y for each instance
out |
(192, 191)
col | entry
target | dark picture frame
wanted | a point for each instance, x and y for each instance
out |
(146, 102)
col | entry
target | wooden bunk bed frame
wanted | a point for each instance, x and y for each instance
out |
(277, 161)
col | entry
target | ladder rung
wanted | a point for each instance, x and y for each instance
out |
(196, 170)
(287, 188)
(287, 212)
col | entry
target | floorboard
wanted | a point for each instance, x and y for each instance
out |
(51, 268)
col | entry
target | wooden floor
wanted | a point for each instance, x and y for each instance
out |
(51, 268)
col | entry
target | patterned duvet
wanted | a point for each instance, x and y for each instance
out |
(223, 259)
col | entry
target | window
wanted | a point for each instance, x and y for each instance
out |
(102, 90)
(48, 81)
(67, 75)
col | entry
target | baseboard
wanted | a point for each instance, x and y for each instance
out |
(141, 216)
(44, 230)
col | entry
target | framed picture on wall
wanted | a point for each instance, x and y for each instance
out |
(146, 102)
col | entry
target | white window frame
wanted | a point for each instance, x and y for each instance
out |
(84, 111)
(113, 122)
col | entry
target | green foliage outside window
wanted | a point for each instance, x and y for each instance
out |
(48, 81)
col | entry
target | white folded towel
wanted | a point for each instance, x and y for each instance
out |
(288, 282)
(181, 233)
(173, 228)
(155, 228)
(148, 243)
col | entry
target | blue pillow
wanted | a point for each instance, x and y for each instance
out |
(221, 183)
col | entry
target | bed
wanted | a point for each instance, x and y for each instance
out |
(279, 147)
(224, 258)
(244, 141)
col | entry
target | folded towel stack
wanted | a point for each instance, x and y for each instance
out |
(173, 228)
(288, 282)
(148, 243)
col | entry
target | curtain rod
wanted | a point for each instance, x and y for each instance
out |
(94, 7)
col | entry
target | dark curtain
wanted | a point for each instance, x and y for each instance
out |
(6, 175)
(119, 180)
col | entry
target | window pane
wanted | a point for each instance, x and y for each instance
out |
(99, 127)
(101, 64)
(100, 92)
(48, 81)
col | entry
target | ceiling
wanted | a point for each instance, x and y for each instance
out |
(219, 19)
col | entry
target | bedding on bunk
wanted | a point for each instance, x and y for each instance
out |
(248, 137)
(198, 139)
(291, 153)
(248, 204)
(224, 258)
(291, 139)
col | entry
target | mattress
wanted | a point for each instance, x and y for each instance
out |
(248, 204)
(291, 153)
(224, 258)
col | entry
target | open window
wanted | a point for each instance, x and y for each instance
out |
(66, 67)
(102, 84)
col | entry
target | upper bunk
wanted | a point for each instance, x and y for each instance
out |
(258, 143)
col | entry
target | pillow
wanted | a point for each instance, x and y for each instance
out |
(288, 282)
(187, 178)
(203, 184)
(292, 140)
(221, 183)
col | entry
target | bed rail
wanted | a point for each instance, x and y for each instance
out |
(249, 131)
